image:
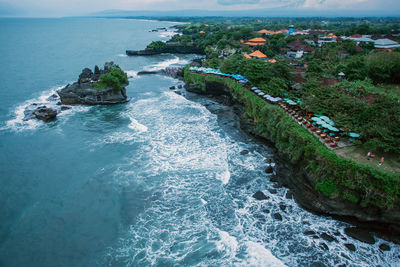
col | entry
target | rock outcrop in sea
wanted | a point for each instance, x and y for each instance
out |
(101, 87)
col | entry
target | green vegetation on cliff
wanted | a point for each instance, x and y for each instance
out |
(334, 176)
(115, 78)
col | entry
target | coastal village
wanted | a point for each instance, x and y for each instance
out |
(329, 99)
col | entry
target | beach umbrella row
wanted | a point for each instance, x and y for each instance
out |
(237, 77)
(354, 135)
(290, 102)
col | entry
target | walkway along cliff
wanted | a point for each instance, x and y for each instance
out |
(326, 183)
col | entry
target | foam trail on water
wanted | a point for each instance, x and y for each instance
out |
(136, 126)
(260, 256)
(223, 177)
(167, 34)
(132, 74)
(20, 122)
(166, 63)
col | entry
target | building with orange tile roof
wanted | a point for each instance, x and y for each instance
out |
(246, 56)
(258, 40)
(257, 54)
(202, 32)
(252, 44)
(272, 60)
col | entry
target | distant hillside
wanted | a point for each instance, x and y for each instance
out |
(272, 12)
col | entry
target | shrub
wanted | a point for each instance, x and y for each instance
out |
(115, 78)
(327, 187)
(156, 46)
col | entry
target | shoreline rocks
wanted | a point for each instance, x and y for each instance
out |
(302, 184)
(85, 92)
(45, 114)
(168, 49)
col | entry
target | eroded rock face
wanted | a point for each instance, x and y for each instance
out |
(45, 114)
(86, 94)
(84, 91)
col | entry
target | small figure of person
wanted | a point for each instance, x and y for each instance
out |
(381, 161)
(368, 155)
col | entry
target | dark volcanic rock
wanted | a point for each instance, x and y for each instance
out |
(360, 234)
(309, 233)
(384, 247)
(277, 216)
(174, 49)
(145, 72)
(282, 207)
(324, 246)
(65, 108)
(289, 195)
(244, 152)
(350, 247)
(84, 92)
(260, 195)
(274, 179)
(272, 191)
(45, 114)
(172, 88)
(327, 237)
(266, 210)
(53, 97)
(269, 169)
(85, 76)
(28, 112)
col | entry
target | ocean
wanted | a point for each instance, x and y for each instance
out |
(158, 181)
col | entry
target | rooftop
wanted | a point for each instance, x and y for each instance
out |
(258, 54)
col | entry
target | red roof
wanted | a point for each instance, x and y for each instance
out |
(356, 36)
(258, 54)
(257, 40)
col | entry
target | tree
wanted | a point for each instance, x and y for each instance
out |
(232, 64)
(315, 66)
(156, 46)
(384, 67)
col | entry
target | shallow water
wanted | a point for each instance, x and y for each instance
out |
(157, 181)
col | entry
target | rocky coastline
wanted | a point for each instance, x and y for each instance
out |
(85, 91)
(301, 182)
(168, 49)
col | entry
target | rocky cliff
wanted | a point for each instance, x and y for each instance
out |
(101, 87)
(172, 49)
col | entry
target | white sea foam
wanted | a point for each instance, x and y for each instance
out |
(166, 63)
(224, 177)
(132, 74)
(118, 137)
(20, 122)
(228, 243)
(167, 34)
(136, 126)
(187, 159)
(122, 55)
(258, 255)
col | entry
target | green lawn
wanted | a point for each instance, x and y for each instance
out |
(357, 153)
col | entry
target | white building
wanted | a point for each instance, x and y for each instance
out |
(386, 44)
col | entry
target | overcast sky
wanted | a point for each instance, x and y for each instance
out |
(54, 8)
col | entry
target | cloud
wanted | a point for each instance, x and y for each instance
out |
(237, 2)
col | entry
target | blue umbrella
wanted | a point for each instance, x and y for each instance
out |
(355, 135)
(316, 119)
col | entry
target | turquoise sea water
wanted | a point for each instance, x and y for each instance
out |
(157, 181)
